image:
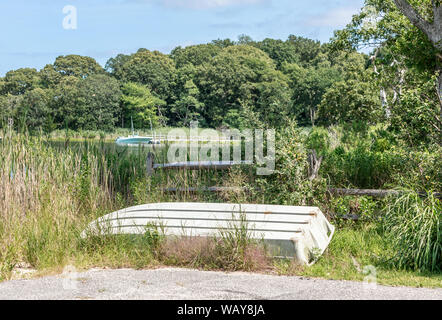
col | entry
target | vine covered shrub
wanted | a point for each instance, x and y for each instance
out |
(289, 184)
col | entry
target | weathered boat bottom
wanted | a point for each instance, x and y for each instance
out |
(302, 233)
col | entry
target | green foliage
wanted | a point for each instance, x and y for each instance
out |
(115, 65)
(306, 49)
(309, 85)
(351, 100)
(381, 22)
(289, 185)
(153, 236)
(154, 69)
(65, 102)
(372, 157)
(406, 64)
(280, 51)
(414, 227)
(34, 111)
(319, 140)
(77, 66)
(242, 74)
(415, 119)
(222, 83)
(140, 105)
(188, 107)
(194, 55)
(17, 82)
(98, 103)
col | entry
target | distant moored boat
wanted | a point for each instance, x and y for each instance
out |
(134, 139)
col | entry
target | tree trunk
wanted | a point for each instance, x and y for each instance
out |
(314, 165)
(432, 30)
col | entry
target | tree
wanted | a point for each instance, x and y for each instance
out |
(49, 77)
(99, 102)
(19, 81)
(305, 49)
(151, 68)
(115, 65)
(195, 55)
(280, 51)
(308, 86)
(65, 104)
(8, 108)
(34, 110)
(141, 105)
(188, 107)
(432, 28)
(351, 100)
(223, 43)
(240, 74)
(406, 53)
(77, 66)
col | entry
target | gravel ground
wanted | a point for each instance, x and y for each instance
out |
(182, 284)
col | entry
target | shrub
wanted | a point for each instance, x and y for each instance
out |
(319, 140)
(289, 184)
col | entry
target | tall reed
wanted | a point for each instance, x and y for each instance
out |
(46, 197)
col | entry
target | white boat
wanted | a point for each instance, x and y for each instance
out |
(134, 139)
(298, 232)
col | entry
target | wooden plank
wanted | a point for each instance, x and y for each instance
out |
(363, 192)
(375, 192)
(150, 163)
(205, 189)
(198, 165)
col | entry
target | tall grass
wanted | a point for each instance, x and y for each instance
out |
(46, 197)
(414, 227)
(49, 192)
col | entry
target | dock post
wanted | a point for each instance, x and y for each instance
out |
(149, 162)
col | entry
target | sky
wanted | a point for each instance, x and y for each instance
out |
(34, 33)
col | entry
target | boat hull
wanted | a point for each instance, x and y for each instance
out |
(134, 140)
(302, 233)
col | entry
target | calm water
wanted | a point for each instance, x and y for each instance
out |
(112, 149)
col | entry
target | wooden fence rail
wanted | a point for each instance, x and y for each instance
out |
(223, 165)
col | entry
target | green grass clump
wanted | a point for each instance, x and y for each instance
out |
(414, 226)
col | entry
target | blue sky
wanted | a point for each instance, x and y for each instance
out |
(33, 35)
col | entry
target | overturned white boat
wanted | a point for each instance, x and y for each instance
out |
(302, 233)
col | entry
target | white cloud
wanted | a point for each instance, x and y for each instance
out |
(335, 18)
(205, 4)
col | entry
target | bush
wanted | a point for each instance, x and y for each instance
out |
(289, 184)
(414, 227)
(319, 140)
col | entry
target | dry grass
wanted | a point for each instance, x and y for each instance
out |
(213, 254)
